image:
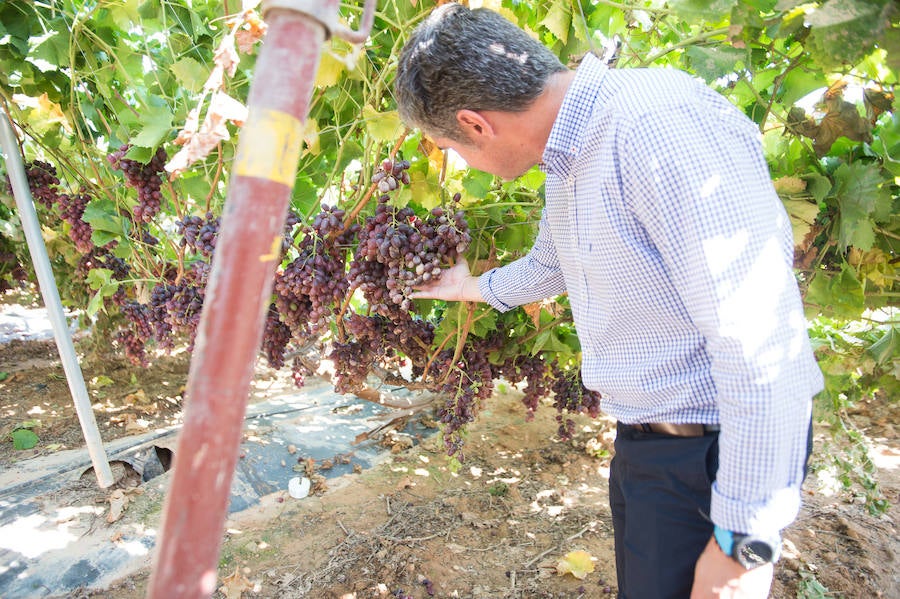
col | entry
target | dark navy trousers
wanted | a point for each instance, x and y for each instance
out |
(659, 493)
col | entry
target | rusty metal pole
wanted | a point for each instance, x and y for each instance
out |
(238, 294)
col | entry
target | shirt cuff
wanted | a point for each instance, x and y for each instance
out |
(484, 286)
(759, 519)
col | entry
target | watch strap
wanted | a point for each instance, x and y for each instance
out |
(725, 539)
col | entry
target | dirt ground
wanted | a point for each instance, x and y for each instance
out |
(414, 527)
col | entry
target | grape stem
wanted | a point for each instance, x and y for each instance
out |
(351, 216)
(215, 181)
(462, 334)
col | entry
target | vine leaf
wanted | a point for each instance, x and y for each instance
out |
(156, 124)
(887, 347)
(559, 20)
(577, 563)
(190, 73)
(200, 141)
(710, 10)
(841, 294)
(860, 199)
(44, 113)
(841, 119)
(24, 438)
(844, 31)
(382, 126)
(712, 63)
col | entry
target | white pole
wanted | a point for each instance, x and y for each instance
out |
(61, 334)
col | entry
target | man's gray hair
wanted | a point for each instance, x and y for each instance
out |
(468, 59)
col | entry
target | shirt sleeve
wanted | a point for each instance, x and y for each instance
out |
(696, 179)
(533, 277)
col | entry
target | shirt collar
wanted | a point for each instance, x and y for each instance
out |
(566, 136)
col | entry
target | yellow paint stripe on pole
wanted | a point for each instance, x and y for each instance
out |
(270, 146)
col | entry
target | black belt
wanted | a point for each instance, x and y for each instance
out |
(676, 430)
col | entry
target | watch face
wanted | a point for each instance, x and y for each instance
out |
(753, 553)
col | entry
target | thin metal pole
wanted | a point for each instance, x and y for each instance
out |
(52, 303)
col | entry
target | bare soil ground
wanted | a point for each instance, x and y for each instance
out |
(497, 527)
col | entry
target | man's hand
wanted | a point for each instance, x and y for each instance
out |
(720, 577)
(456, 284)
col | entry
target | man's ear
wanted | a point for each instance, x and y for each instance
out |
(474, 125)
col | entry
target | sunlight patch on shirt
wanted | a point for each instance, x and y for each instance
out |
(721, 251)
(750, 311)
(710, 186)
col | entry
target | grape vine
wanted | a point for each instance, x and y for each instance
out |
(123, 235)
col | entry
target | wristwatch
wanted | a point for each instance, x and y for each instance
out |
(749, 551)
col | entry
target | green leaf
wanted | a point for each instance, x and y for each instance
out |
(559, 20)
(190, 73)
(94, 306)
(887, 347)
(24, 438)
(761, 5)
(102, 215)
(156, 125)
(817, 185)
(54, 47)
(477, 183)
(859, 193)
(840, 295)
(708, 10)
(382, 126)
(799, 83)
(485, 322)
(99, 277)
(124, 13)
(714, 62)
(844, 31)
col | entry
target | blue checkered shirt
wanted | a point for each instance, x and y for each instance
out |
(662, 225)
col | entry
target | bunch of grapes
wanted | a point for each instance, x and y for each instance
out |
(466, 383)
(146, 178)
(311, 288)
(42, 181)
(383, 337)
(391, 175)
(299, 372)
(133, 347)
(10, 267)
(102, 257)
(159, 297)
(148, 239)
(139, 316)
(199, 234)
(571, 396)
(276, 337)
(71, 210)
(292, 220)
(184, 306)
(534, 371)
(399, 251)
(134, 339)
(352, 362)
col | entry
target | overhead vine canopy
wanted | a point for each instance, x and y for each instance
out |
(129, 113)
